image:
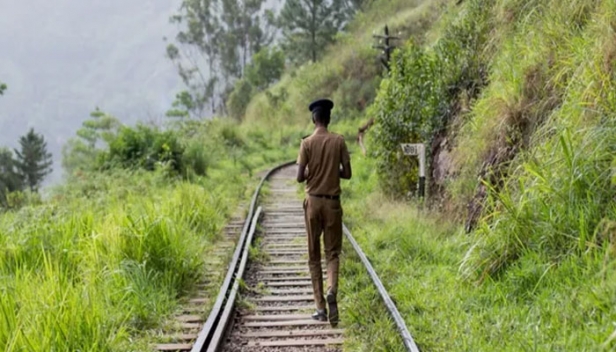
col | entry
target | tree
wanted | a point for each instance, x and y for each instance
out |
(239, 99)
(83, 152)
(215, 45)
(182, 106)
(2, 88)
(33, 161)
(197, 55)
(243, 34)
(10, 180)
(308, 26)
(266, 68)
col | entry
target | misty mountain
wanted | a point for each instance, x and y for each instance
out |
(62, 58)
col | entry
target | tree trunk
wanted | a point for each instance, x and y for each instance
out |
(314, 33)
(360, 134)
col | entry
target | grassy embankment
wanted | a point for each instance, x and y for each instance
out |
(523, 94)
(103, 263)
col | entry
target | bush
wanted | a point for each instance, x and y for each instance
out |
(405, 111)
(266, 68)
(145, 147)
(195, 159)
(20, 199)
(239, 99)
(418, 99)
(231, 136)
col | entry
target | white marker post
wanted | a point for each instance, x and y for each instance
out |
(417, 149)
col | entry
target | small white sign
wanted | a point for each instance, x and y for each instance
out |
(412, 148)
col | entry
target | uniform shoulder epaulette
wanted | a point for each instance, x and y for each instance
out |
(306, 136)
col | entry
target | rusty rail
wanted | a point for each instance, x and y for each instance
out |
(214, 319)
(409, 343)
(318, 335)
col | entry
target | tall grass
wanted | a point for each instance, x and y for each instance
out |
(537, 274)
(86, 273)
(560, 189)
(104, 261)
(535, 305)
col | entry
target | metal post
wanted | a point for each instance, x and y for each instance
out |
(419, 150)
(387, 48)
(422, 171)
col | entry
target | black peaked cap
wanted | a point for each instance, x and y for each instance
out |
(321, 104)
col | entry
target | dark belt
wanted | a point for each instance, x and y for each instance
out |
(325, 196)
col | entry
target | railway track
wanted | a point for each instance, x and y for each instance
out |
(273, 310)
(275, 314)
(182, 329)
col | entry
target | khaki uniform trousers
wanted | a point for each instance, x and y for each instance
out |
(323, 215)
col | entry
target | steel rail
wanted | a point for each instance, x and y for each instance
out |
(222, 327)
(214, 330)
(206, 335)
(409, 343)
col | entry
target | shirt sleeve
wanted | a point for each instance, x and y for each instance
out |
(302, 158)
(345, 158)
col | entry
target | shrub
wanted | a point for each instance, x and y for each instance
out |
(266, 68)
(19, 199)
(416, 102)
(405, 111)
(239, 99)
(195, 159)
(231, 136)
(145, 147)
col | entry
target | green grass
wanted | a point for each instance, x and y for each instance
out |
(536, 305)
(87, 272)
(536, 274)
(106, 260)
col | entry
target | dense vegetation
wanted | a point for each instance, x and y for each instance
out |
(528, 109)
(103, 262)
(107, 256)
(227, 49)
(23, 170)
(515, 101)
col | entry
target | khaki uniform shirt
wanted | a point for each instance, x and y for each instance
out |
(323, 152)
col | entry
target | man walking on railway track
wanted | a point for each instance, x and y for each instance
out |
(323, 160)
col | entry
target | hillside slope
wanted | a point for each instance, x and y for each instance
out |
(515, 100)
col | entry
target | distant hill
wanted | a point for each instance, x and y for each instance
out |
(63, 58)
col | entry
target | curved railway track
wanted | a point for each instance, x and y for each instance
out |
(272, 313)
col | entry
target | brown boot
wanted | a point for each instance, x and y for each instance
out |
(333, 309)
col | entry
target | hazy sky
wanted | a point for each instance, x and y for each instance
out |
(62, 58)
